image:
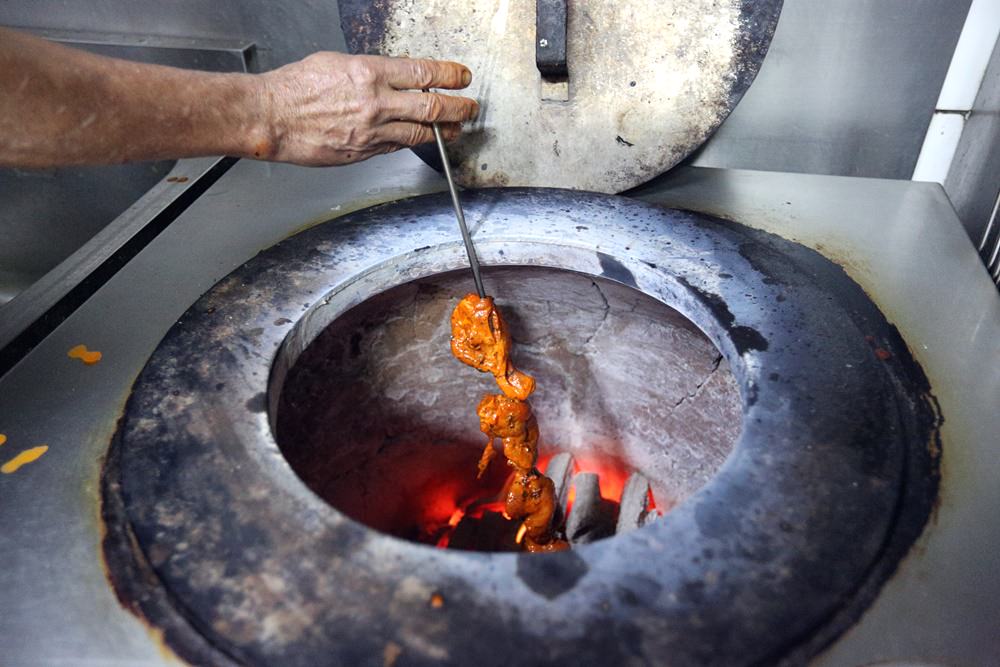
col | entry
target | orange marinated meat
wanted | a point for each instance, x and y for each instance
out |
(531, 496)
(512, 421)
(479, 338)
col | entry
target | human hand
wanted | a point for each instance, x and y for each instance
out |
(333, 108)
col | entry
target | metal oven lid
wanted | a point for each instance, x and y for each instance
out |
(599, 96)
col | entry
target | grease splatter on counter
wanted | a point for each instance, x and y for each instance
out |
(24, 458)
(89, 357)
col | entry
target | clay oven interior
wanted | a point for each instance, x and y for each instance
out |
(379, 419)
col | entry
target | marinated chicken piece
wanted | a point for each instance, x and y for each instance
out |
(512, 421)
(532, 496)
(479, 338)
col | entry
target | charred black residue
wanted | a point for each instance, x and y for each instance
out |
(133, 579)
(759, 20)
(258, 403)
(774, 266)
(356, 344)
(744, 338)
(613, 269)
(363, 23)
(551, 575)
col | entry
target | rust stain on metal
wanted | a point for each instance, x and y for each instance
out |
(154, 632)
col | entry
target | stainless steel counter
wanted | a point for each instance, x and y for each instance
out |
(901, 241)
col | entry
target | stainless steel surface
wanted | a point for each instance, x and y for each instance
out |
(901, 241)
(221, 54)
(456, 203)
(283, 32)
(973, 182)
(43, 294)
(848, 87)
(46, 215)
(49, 514)
(50, 214)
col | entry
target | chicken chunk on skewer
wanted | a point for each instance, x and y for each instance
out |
(479, 338)
(531, 496)
(512, 421)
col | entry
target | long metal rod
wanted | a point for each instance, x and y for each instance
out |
(457, 205)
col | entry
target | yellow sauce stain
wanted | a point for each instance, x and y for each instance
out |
(3, 438)
(25, 457)
(89, 357)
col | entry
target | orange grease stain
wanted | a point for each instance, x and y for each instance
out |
(89, 357)
(25, 457)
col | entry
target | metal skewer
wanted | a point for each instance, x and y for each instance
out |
(457, 205)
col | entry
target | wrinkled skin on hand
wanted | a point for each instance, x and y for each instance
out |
(334, 108)
(480, 338)
(61, 106)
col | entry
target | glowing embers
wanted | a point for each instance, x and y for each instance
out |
(594, 499)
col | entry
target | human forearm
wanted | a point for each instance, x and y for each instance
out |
(62, 106)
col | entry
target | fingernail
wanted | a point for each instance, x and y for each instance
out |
(466, 77)
(475, 112)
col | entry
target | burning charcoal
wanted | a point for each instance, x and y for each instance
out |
(560, 471)
(492, 532)
(634, 512)
(592, 517)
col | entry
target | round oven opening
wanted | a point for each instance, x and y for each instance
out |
(379, 419)
(214, 538)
